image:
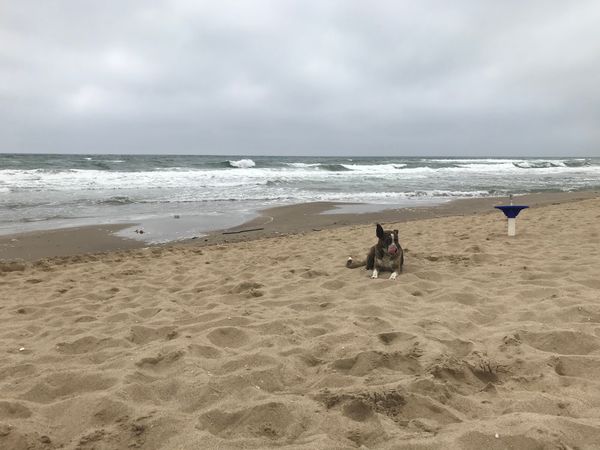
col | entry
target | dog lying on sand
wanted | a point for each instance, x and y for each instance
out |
(387, 254)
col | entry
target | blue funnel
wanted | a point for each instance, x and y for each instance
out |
(511, 212)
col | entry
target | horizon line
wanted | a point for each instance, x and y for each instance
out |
(297, 155)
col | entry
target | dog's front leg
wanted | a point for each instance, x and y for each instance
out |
(393, 275)
(375, 274)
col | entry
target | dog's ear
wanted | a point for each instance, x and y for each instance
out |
(379, 231)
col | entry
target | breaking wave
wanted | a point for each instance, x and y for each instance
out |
(545, 164)
(117, 200)
(241, 164)
(334, 167)
(578, 163)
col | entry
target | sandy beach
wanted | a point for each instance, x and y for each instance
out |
(484, 341)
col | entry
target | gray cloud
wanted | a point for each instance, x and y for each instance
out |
(295, 77)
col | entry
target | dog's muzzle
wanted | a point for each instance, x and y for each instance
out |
(392, 249)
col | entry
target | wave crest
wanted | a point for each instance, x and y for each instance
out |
(117, 200)
(334, 167)
(578, 163)
(241, 164)
(540, 164)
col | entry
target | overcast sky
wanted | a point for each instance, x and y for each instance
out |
(512, 77)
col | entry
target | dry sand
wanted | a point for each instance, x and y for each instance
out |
(484, 341)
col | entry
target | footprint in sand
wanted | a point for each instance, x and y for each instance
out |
(271, 420)
(228, 337)
(457, 347)
(333, 285)
(147, 313)
(365, 362)
(396, 404)
(143, 335)
(85, 319)
(247, 363)
(563, 342)
(578, 366)
(358, 410)
(61, 385)
(393, 336)
(248, 288)
(89, 344)
(203, 351)
(160, 362)
(309, 274)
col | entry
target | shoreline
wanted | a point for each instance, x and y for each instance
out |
(272, 222)
(284, 220)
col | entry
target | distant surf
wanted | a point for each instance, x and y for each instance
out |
(242, 163)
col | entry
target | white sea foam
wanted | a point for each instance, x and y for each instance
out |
(242, 163)
(358, 177)
(481, 161)
(539, 164)
(374, 168)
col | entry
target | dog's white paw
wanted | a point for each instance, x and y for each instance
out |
(393, 276)
(375, 274)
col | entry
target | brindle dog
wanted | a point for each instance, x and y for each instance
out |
(387, 254)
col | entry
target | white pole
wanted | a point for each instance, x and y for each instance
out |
(512, 226)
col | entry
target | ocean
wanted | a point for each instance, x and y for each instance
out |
(210, 192)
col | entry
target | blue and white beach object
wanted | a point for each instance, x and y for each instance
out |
(511, 212)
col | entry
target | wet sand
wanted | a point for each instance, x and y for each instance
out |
(36, 245)
(273, 222)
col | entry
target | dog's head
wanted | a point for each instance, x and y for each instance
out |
(388, 240)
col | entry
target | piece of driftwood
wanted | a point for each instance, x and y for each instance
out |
(242, 231)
